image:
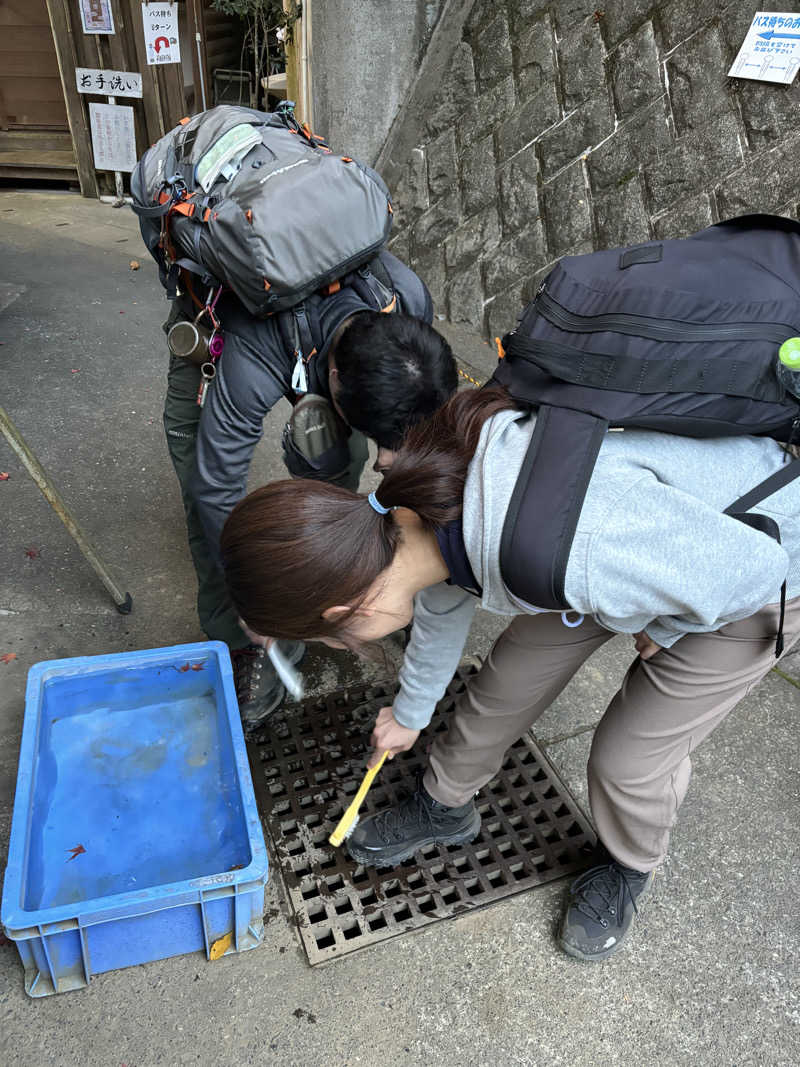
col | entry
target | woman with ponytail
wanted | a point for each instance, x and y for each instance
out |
(653, 556)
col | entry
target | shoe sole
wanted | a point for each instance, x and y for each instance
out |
(370, 859)
(593, 957)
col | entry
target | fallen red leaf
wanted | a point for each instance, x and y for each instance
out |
(7, 657)
(32, 553)
(76, 851)
(3, 476)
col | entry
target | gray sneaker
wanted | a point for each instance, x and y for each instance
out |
(258, 688)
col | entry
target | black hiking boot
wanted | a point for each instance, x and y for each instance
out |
(600, 910)
(258, 688)
(394, 835)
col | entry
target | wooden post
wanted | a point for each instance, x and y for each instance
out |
(203, 92)
(60, 20)
(173, 95)
(123, 57)
(292, 59)
(298, 65)
(308, 96)
(154, 116)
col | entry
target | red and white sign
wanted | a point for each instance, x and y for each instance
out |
(161, 38)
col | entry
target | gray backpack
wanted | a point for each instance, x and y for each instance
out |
(254, 201)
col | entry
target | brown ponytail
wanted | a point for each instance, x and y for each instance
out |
(295, 548)
(430, 469)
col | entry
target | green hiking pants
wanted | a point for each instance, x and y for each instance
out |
(217, 616)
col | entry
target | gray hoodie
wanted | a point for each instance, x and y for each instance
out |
(652, 551)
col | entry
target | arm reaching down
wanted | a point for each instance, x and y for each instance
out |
(442, 618)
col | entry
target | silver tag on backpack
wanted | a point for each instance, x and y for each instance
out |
(299, 376)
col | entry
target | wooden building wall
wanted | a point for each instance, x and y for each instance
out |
(34, 131)
(44, 120)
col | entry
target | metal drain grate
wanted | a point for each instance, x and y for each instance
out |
(308, 764)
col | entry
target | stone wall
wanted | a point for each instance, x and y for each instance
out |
(365, 54)
(537, 129)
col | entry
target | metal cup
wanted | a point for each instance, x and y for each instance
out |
(189, 340)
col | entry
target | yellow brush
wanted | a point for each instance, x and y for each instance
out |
(348, 821)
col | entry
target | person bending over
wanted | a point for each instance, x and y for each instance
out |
(653, 556)
(374, 373)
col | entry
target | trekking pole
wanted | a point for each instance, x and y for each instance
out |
(123, 601)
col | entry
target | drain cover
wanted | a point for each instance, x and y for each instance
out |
(308, 764)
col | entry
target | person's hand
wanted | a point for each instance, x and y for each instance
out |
(254, 638)
(644, 646)
(389, 734)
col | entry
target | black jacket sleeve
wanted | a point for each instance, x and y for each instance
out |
(252, 375)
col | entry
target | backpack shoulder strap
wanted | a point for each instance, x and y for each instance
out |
(300, 332)
(740, 509)
(374, 286)
(544, 508)
(776, 481)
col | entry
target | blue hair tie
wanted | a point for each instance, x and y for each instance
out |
(375, 503)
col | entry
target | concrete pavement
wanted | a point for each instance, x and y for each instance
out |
(711, 973)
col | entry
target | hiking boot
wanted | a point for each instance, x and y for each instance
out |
(394, 835)
(600, 910)
(258, 688)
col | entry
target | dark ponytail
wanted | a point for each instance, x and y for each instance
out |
(430, 469)
(295, 548)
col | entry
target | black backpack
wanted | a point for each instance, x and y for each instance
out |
(680, 336)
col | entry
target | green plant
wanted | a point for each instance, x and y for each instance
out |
(261, 18)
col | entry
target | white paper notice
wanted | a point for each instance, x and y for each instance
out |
(113, 137)
(771, 49)
(160, 23)
(108, 82)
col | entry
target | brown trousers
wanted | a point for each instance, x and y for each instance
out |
(639, 765)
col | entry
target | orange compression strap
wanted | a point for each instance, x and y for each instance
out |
(183, 207)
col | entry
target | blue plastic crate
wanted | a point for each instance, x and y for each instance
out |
(135, 833)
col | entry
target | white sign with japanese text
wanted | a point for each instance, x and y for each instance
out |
(96, 16)
(108, 82)
(113, 137)
(771, 49)
(160, 23)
